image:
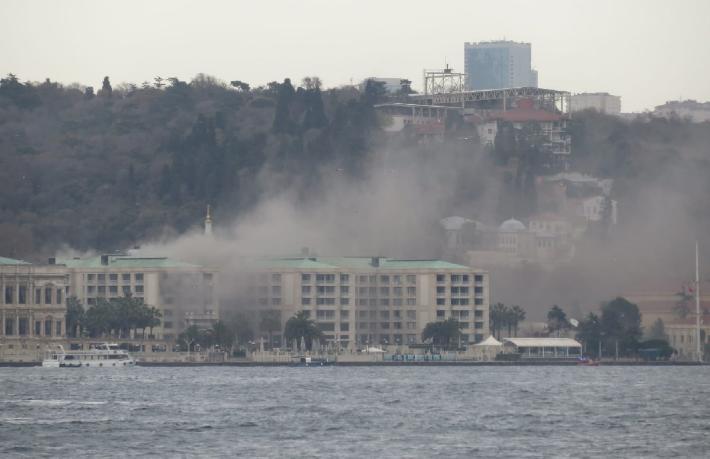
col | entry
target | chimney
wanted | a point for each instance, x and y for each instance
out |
(375, 262)
(51, 261)
(104, 260)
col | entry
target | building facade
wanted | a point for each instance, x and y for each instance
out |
(360, 301)
(33, 309)
(683, 337)
(602, 102)
(184, 293)
(498, 65)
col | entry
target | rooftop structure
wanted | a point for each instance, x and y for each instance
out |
(544, 348)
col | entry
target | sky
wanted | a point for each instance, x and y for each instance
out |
(646, 51)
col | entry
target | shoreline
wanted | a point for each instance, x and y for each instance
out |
(390, 364)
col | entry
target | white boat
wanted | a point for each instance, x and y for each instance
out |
(103, 355)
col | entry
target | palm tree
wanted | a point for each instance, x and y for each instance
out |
(442, 333)
(301, 326)
(222, 335)
(75, 317)
(517, 315)
(498, 318)
(556, 320)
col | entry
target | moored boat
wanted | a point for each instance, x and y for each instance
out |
(103, 355)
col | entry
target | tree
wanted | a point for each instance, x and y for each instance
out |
(517, 315)
(557, 320)
(189, 337)
(282, 119)
(301, 326)
(222, 335)
(240, 85)
(75, 317)
(498, 317)
(270, 322)
(621, 325)
(589, 332)
(657, 330)
(106, 90)
(443, 333)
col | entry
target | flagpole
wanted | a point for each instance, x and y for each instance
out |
(697, 303)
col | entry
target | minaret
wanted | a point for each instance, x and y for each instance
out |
(208, 222)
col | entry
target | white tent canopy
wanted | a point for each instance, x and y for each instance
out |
(490, 341)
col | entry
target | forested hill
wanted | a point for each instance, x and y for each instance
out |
(104, 169)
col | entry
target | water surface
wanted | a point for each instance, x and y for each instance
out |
(517, 412)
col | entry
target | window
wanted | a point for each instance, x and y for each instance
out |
(397, 325)
(344, 301)
(385, 279)
(463, 324)
(345, 291)
(397, 291)
(47, 328)
(362, 279)
(9, 295)
(276, 301)
(476, 314)
(305, 301)
(385, 325)
(478, 301)
(478, 278)
(325, 289)
(167, 324)
(397, 302)
(126, 278)
(373, 279)
(126, 289)
(362, 314)
(38, 327)
(478, 290)
(328, 315)
(440, 278)
(9, 326)
(373, 291)
(113, 278)
(101, 278)
(344, 278)
(325, 278)
(102, 290)
(455, 278)
(440, 301)
(344, 315)
(464, 278)
(344, 326)
(139, 277)
(305, 278)
(412, 315)
(441, 290)
(305, 290)
(47, 296)
(113, 290)
(276, 290)
(22, 295)
(23, 326)
(384, 291)
(411, 301)
(411, 279)
(139, 289)
(91, 278)
(384, 314)
(384, 302)
(440, 314)
(276, 278)
(411, 291)
(58, 329)
(397, 280)
(362, 302)
(38, 296)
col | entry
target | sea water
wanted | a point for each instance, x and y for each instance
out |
(363, 412)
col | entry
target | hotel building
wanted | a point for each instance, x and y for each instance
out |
(184, 293)
(363, 301)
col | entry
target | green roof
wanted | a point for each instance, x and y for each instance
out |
(12, 261)
(354, 263)
(124, 261)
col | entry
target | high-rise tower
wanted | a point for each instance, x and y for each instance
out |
(498, 65)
